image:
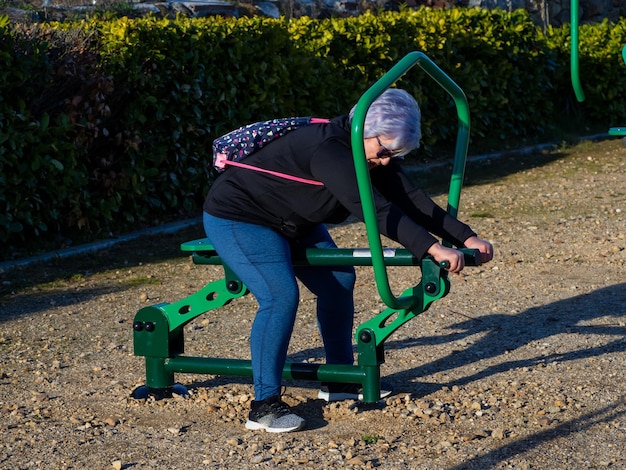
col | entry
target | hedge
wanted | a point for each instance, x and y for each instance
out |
(106, 125)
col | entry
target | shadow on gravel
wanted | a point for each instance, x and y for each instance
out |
(501, 334)
(29, 304)
(497, 456)
(126, 255)
(504, 333)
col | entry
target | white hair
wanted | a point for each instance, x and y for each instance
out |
(396, 116)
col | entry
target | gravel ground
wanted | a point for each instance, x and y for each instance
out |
(521, 366)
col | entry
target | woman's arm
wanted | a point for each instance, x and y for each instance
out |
(394, 185)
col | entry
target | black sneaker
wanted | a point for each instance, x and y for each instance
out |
(340, 391)
(273, 415)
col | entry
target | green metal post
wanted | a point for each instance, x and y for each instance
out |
(370, 356)
(574, 69)
(157, 375)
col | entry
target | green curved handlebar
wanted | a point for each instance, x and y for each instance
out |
(362, 172)
(574, 70)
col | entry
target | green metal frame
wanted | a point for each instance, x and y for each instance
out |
(365, 187)
(619, 131)
(574, 64)
(158, 330)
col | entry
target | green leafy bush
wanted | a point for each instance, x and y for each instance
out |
(42, 171)
(602, 72)
(106, 125)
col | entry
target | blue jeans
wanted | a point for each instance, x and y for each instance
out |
(261, 258)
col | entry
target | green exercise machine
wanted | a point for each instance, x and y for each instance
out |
(158, 330)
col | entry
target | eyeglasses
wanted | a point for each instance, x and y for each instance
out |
(384, 152)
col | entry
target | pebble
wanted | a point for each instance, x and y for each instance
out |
(544, 421)
(39, 396)
(356, 461)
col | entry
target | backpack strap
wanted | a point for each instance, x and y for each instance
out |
(274, 173)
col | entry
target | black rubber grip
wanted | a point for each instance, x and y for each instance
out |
(472, 257)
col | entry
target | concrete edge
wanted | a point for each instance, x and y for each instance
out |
(172, 227)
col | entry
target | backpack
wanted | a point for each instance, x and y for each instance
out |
(231, 148)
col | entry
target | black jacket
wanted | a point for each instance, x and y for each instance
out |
(323, 152)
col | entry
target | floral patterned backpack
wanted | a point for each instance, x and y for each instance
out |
(231, 148)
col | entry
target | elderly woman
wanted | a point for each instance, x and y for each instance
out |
(255, 220)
